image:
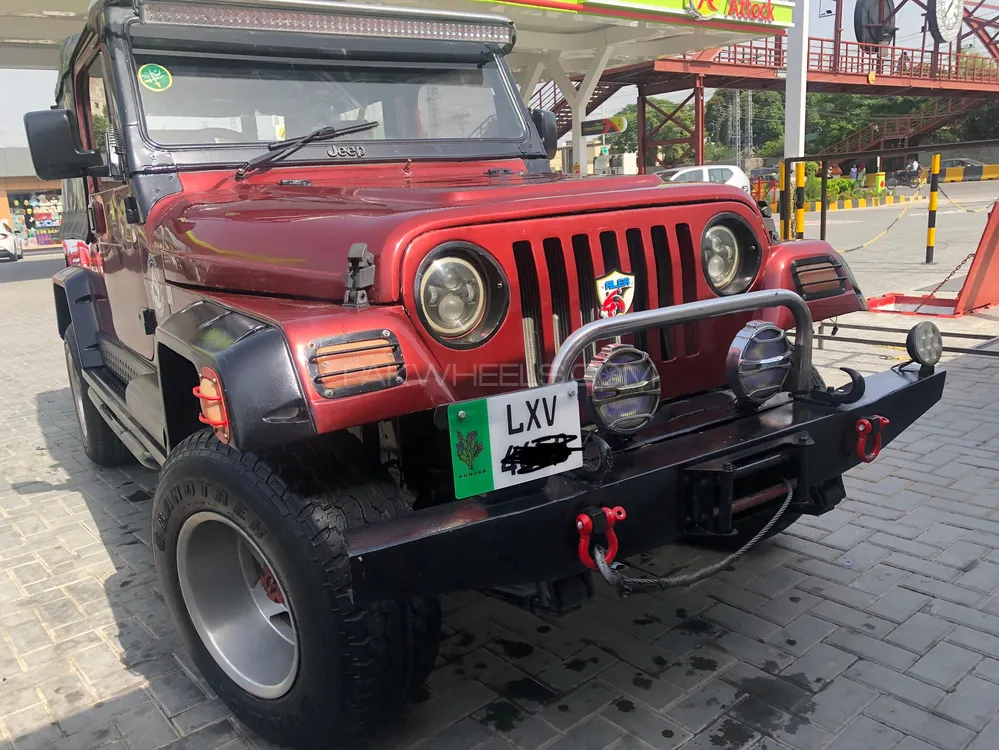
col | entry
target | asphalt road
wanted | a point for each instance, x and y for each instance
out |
(895, 262)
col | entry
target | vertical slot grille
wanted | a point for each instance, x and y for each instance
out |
(585, 278)
(664, 285)
(559, 281)
(530, 308)
(636, 254)
(688, 278)
(608, 247)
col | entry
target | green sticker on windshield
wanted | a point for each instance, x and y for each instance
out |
(155, 77)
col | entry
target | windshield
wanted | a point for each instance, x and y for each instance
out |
(204, 100)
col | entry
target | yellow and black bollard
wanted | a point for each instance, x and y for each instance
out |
(782, 209)
(799, 200)
(931, 225)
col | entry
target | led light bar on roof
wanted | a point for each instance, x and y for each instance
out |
(264, 18)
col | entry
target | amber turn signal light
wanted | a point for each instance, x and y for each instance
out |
(356, 363)
(213, 411)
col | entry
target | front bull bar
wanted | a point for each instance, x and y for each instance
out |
(619, 325)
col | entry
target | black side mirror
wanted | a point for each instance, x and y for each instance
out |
(547, 125)
(54, 141)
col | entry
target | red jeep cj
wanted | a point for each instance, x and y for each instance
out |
(380, 352)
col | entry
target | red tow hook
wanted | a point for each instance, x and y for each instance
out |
(598, 521)
(869, 430)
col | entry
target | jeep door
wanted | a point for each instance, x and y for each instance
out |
(118, 247)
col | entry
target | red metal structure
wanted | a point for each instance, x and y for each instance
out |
(979, 291)
(962, 81)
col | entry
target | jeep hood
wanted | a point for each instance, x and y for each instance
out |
(292, 240)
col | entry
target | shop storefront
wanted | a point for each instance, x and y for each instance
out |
(36, 217)
(33, 207)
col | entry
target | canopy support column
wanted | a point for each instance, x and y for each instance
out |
(578, 99)
(529, 77)
(797, 78)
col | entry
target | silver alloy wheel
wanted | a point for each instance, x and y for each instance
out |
(237, 605)
(76, 388)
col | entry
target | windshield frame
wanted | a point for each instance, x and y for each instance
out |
(144, 155)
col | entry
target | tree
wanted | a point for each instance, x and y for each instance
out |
(768, 116)
(627, 142)
(100, 128)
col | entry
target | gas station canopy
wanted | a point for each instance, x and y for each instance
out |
(634, 30)
(574, 30)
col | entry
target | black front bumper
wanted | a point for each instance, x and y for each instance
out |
(473, 544)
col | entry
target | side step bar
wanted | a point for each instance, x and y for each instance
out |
(146, 451)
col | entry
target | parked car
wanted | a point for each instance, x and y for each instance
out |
(960, 162)
(722, 174)
(377, 357)
(11, 246)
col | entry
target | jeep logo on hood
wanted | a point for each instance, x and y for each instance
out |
(344, 152)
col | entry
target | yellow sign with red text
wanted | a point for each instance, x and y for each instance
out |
(752, 12)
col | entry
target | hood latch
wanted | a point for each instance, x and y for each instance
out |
(360, 275)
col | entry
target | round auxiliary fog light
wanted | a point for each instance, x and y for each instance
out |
(924, 343)
(758, 362)
(623, 386)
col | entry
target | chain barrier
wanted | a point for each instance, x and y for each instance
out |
(885, 231)
(955, 204)
(933, 294)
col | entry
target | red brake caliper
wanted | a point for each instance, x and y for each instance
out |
(869, 429)
(270, 584)
(598, 521)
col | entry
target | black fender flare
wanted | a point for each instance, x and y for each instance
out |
(263, 393)
(75, 303)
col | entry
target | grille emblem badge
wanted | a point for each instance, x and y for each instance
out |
(615, 293)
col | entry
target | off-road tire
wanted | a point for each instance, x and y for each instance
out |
(749, 524)
(100, 443)
(358, 666)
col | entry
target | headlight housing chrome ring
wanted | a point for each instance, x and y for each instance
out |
(624, 388)
(758, 362)
(731, 254)
(462, 294)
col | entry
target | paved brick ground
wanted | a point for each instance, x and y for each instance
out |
(875, 626)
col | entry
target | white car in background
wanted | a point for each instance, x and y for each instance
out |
(10, 244)
(724, 174)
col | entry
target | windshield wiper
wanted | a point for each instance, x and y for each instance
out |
(280, 149)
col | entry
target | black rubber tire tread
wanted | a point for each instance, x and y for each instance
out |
(382, 653)
(100, 442)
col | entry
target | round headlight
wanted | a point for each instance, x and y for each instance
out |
(758, 362)
(461, 294)
(721, 255)
(924, 343)
(730, 254)
(623, 386)
(452, 295)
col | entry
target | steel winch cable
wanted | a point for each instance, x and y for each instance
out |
(625, 585)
